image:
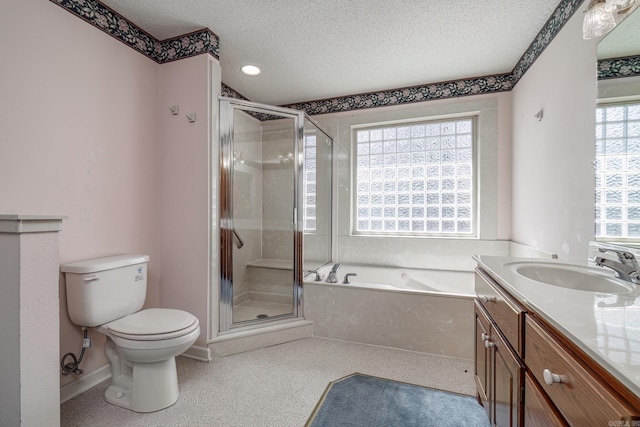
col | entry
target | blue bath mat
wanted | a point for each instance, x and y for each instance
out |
(361, 400)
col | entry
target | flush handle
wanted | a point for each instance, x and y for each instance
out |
(91, 278)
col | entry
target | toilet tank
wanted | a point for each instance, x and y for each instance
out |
(101, 290)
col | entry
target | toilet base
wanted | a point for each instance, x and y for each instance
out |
(140, 387)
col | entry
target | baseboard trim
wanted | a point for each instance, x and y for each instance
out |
(198, 352)
(252, 339)
(84, 383)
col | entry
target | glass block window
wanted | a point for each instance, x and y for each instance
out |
(309, 183)
(618, 171)
(415, 178)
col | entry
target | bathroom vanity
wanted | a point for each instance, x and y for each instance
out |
(556, 354)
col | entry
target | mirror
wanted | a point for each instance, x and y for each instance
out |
(617, 134)
(614, 62)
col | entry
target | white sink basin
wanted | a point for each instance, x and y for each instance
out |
(571, 277)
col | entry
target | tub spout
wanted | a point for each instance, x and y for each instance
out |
(332, 278)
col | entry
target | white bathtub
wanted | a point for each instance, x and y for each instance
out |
(429, 311)
(454, 283)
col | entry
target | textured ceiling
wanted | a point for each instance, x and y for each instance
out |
(310, 50)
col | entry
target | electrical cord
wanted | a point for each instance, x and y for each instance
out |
(73, 367)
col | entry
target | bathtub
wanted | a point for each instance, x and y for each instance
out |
(429, 311)
(454, 283)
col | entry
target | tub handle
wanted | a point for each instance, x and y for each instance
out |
(346, 278)
(317, 273)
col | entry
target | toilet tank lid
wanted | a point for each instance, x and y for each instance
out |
(105, 263)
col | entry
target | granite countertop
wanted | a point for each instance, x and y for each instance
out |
(605, 326)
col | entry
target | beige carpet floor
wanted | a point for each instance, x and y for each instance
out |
(273, 386)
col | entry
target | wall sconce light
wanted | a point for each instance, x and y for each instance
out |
(600, 16)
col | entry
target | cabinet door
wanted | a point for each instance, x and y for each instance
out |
(508, 387)
(482, 359)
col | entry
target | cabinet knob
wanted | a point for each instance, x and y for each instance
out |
(487, 299)
(550, 378)
(489, 344)
(484, 336)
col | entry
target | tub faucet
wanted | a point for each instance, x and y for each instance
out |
(626, 267)
(332, 278)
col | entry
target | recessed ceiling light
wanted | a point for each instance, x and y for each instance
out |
(250, 70)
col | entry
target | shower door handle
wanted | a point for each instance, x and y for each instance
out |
(240, 243)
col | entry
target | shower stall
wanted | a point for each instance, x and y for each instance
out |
(275, 211)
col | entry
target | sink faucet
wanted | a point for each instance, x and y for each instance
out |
(332, 278)
(626, 267)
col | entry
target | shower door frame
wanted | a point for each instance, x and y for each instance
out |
(227, 108)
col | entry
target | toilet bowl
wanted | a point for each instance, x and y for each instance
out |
(142, 352)
(107, 294)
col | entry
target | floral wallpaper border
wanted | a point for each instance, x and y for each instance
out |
(619, 67)
(117, 26)
(205, 41)
(451, 89)
(551, 28)
(229, 92)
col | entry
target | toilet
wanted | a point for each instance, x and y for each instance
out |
(108, 294)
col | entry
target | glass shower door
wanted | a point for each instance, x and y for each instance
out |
(260, 236)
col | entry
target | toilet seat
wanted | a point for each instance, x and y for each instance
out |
(153, 324)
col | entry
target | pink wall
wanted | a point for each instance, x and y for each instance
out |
(553, 179)
(79, 138)
(186, 164)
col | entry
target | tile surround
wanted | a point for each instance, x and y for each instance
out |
(205, 41)
(426, 323)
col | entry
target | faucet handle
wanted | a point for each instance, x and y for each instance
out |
(623, 256)
(346, 278)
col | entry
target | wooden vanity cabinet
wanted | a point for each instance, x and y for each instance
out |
(579, 393)
(482, 358)
(498, 373)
